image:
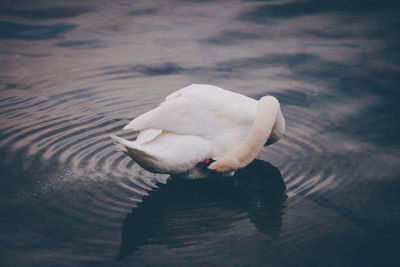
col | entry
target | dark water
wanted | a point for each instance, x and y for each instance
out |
(74, 71)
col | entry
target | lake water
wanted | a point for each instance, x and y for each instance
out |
(72, 72)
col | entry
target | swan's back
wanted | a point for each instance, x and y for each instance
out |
(202, 110)
(201, 122)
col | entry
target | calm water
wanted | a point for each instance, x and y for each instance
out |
(74, 71)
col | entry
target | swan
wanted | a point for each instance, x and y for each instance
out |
(202, 129)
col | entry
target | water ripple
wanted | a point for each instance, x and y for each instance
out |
(111, 184)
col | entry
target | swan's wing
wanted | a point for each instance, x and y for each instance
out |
(167, 154)
(146, 135)
(200, 110)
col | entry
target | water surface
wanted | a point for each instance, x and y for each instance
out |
(74, 71)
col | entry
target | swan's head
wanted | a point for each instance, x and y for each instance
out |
(225, 164)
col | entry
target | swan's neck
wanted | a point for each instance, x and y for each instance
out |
(267, 109)
(242, 155)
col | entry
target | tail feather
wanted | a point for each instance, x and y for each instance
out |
(136, 152)
(119, 142)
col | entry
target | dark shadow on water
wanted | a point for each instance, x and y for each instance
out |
(188, 212)
(266, 14)
(76, 43)
(46, 13)
(233, 37)
(143, 12)
(82, 44)
(17, 31)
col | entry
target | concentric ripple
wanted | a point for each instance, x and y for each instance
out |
(84, 185)
(57, 130)
(80, 141)
(303, 152)
(67, 136)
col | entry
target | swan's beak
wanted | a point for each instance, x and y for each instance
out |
(223, 170)
(205, 163)
(222, 166)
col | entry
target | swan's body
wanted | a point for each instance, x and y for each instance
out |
(200, 122)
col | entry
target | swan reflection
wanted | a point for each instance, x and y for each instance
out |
(187, 212)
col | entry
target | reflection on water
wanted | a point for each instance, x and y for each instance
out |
(186, 212)
(74, 71)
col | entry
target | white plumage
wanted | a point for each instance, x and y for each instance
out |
(199, 122)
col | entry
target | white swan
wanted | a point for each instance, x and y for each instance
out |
(202, 122)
